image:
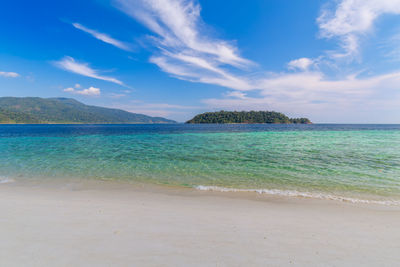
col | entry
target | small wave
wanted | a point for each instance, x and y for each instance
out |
(294, 193)
(5, 180)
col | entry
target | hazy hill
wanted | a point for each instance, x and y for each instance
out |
(65, 110)
(246, 117)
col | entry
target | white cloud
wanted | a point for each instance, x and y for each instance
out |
(69, 90)
(185, 50)
(155, 109)
(178, 25)
(69, 64)
(301, 63)
(353, 19)
(191, 73)
(236, 94)
(91, 91)
(102, 37)
(9, 74)
(162, 106)
(311, 93)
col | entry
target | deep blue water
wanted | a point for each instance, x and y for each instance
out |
(127, 129)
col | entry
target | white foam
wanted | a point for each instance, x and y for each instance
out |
(294, 193)
(5, 180)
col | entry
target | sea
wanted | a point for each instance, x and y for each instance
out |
(353, 163)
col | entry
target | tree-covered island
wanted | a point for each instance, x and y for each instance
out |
(246, 117)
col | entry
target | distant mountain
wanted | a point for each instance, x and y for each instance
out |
(246, 117)
(65, 110)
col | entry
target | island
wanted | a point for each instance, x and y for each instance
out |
(36, 110)
(246, 117)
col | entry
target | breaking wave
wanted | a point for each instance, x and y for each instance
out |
(5, 180)
(294, 193)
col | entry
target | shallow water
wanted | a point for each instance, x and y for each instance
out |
(353, 161)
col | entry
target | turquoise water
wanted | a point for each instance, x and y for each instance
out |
(353, 161)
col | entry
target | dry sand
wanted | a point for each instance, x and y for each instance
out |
(124, 225)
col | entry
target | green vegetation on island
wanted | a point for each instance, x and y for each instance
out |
(8, 116)
(35, 110)
(246, 117)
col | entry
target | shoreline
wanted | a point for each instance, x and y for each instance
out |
(248, 193)
(114, 224)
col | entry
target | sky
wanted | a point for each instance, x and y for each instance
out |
(333, 61)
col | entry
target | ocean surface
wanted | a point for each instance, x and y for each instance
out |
(358, 163)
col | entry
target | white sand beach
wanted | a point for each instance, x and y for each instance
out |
(127, 225)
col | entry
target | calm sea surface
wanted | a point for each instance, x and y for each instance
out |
(350, 161)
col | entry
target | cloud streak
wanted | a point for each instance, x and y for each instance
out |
(103, 37)
(184, 49)
(353, 19)
(154, 109)
(69, 64)
(308, 93)
(9, 74)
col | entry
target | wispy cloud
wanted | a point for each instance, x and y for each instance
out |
(155, 109)
(188, 72)
(184, 49)
(301, 63)
(9, 74)
(313, 93)
(353, 19)
(116, 95)
(69, 64)
(391, 47)
(103, 37)
(91, 91)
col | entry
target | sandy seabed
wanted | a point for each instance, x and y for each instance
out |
(115, 224)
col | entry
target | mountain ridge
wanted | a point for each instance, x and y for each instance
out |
(60, 110)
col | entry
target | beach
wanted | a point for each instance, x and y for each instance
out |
(119, 224)
(199, 133)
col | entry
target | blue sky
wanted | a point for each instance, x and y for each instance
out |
(332, 61)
